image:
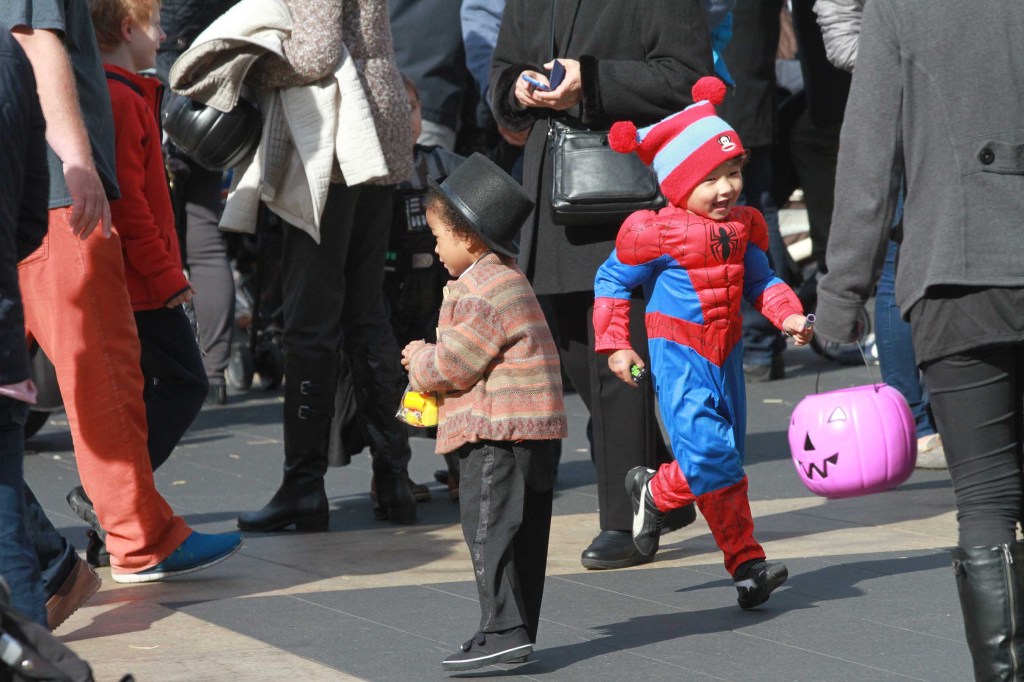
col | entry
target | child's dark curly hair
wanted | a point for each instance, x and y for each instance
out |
(451, 216)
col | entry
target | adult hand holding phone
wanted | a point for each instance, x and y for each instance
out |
(568, 92)
(528, 88)
(536, 83)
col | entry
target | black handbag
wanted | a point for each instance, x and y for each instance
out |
(591, 183)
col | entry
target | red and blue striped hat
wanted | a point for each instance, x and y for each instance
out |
(683, 148)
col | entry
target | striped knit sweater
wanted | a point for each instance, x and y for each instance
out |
(494, 365)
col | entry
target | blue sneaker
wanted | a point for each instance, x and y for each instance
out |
(198, 551)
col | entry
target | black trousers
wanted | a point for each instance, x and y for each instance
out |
(626, 431)
(505, 495)
(334, 305)
(175, 380)
(978, 401)
(761, 338)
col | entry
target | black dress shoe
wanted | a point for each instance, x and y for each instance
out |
(83, 508)
(96, 554)
(613, 549)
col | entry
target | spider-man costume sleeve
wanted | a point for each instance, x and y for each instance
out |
(631, 263)
(761, 286)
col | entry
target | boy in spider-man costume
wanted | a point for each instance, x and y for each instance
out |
(695, 258)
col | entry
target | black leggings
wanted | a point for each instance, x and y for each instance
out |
(977, 401)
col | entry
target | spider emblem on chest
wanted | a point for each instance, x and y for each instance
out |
(724, 241)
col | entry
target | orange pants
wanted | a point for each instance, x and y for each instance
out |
(77, 308)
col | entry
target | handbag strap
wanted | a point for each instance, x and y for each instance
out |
(572, 25)
(553, 54)
(554, 13)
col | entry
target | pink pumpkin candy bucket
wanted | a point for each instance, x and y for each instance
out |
(853, 441)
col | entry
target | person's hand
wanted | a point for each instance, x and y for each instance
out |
(797, 327)
(526, 92)
(516, 138)
(410, 350)
(89, 207)
(183, 297)
(620, 363)
(568, 94)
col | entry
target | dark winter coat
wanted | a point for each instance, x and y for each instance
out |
(182, 21)
(638, 62)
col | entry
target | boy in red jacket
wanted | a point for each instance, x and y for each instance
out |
(128, 33)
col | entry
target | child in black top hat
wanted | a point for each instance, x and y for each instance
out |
(496, 370)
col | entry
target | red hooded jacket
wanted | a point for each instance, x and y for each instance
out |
(143, 215)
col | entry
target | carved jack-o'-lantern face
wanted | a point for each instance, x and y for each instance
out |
(853, 441)
(812, 463)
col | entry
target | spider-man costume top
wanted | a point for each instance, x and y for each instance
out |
(693, 271)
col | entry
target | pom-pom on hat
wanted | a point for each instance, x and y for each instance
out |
(683, 148)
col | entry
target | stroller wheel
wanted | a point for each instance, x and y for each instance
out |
(240, 368)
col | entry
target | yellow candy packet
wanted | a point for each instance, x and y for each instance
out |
(418, 409)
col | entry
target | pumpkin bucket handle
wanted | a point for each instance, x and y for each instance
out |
(867, 365)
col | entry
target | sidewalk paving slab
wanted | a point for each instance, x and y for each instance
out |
(871, 595)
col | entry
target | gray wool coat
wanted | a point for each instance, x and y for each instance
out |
(938, 94)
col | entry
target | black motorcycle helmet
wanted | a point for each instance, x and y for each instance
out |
(213, 139)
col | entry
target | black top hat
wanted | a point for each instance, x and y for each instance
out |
(493, 203)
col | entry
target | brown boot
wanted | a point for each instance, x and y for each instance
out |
(81, 583)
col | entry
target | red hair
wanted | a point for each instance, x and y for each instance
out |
(108, 15)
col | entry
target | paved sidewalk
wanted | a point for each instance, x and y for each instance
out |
(871, 595)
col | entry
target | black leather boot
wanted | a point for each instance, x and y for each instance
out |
(378, 385)
(308, 408)
(395, 501)
(988, 580)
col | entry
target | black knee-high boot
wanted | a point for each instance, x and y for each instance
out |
(991, 590)
(308, 408)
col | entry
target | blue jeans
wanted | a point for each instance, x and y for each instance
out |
(56, 555)
(18, 564)
(895, 348)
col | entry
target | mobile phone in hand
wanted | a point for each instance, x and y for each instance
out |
(557, 75)
(536, 83)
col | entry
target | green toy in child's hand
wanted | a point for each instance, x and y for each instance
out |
(638, 373)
